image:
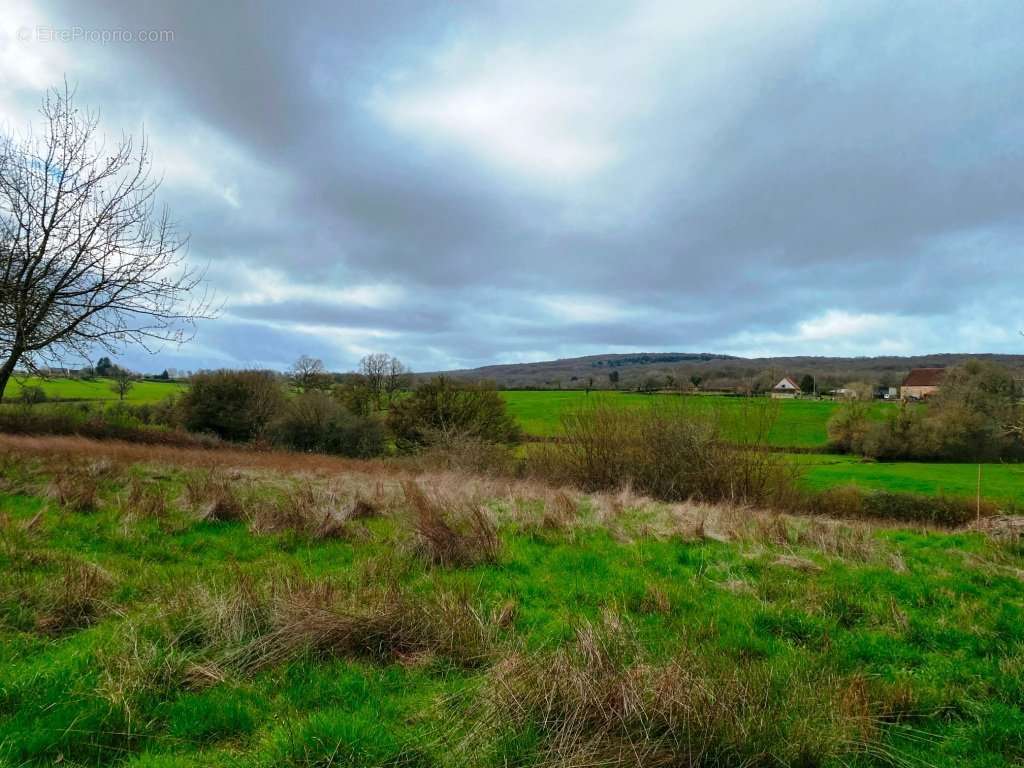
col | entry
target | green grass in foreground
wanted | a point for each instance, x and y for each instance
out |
(96, 389)
(797, 423)
(796, 620)
(999, 482)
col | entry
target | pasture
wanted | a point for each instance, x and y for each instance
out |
(999, 482)
(793, 423)
(165, 608)
(99, 389)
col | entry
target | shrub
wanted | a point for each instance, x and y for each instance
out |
(117, 422)
(970, 419)
(852, 501)
(445, 407)
(314, 421)
(31, 394)
(669, 450)
(234, 405)
(849, 426)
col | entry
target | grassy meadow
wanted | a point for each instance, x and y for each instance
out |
(799, 424)
(99, 389)
(167, 608)
(999, 482)
(794, 423)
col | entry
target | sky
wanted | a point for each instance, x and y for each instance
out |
(460, 184)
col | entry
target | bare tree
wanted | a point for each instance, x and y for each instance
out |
(124, 380)
(86, 257)
(396, 378)
(374, 369)
(383, 376)
(309, 373)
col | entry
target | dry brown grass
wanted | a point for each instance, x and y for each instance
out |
(144, 500)
(253, 625)
(76, 490)
(214, 496)
(600, 702)
(75, 600)
(451, 531)
(311, 510)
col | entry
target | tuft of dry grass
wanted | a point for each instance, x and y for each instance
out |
(144, 500)
(75, 600)
(254, 625)
(451, 531)
(601, 702)
(76, 490)
(311, 510)
(213, 496)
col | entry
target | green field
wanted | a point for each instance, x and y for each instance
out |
(999, 482)
(795, 423)
(96, 389)
(147, 635)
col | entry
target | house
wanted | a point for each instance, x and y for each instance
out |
(786, 388)
(921, 383)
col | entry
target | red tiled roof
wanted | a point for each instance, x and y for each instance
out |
(792, 383)
(924, 377)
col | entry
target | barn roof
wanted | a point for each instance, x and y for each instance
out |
(924, 377)
(784, 380)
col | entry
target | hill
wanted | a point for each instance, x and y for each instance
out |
(722, 372)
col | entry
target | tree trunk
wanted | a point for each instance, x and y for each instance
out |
(6, 370)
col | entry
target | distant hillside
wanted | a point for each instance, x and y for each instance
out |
(723, 372)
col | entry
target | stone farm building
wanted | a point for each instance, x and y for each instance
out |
(921, 383)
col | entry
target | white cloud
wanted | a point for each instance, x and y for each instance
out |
(512, 115)
(269, 286)
(582, 309)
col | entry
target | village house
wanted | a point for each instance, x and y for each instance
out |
(921, 383)
(786, 388)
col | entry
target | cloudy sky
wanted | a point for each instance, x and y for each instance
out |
(467, 183)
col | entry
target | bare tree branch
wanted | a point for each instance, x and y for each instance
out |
(87, 258)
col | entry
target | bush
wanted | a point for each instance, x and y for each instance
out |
(234, 405)
(445, 407)
(970, 419)
(117, 422)
(668, 450)
(314, 421)
(852, 501)
(31, 394)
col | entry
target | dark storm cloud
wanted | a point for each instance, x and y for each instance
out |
(463, 185)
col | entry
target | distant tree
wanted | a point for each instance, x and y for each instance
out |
(354, 394)
(86, 257)
(374, 369)
(613, 379)
(124, 380)
(164, 376)
(104, 366)
(308, 373)
(696, 380)
(397, 377)
(807, 384)
(443, 410)
(236, 405)
(589, 384)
